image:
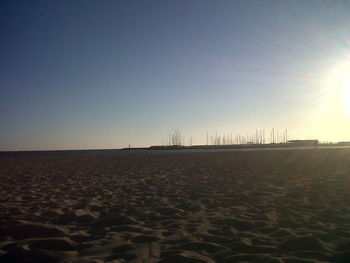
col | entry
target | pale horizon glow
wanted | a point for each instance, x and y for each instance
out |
(331, 110)
(106, 74)
(346, 92)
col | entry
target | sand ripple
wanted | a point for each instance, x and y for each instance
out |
(276, 206)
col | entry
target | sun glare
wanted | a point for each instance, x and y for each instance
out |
(346, 93)
(339, 85)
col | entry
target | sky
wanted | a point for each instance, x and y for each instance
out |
(106, 74)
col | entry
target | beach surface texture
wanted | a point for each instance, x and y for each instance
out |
(266, 206)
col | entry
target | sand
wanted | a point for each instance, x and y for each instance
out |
(265, 206)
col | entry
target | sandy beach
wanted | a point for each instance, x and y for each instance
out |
(265, 206)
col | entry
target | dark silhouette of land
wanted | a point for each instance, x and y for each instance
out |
(291, 144)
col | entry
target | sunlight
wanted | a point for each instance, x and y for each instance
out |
(339, 83)
(346, 93)
(330, 116)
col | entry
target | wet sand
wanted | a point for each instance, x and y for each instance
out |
(273, 206)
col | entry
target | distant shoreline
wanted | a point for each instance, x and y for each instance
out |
(168, 149)
(236, 146)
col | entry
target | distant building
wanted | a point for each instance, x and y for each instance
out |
(303, 142)
(343, 143)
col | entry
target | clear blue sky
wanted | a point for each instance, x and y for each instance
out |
(103, 74)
